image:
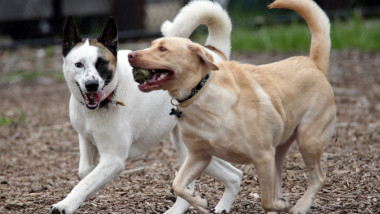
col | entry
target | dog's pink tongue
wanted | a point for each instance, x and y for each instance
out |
(101, 95)
(154, 78)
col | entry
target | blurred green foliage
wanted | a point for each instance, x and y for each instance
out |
(345, 35)
(15, 117)
(354, 33)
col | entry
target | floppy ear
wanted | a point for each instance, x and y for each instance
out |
(70, 36)
(204, 56)
(108, 37)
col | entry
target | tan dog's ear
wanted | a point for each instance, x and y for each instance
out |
(204, 55)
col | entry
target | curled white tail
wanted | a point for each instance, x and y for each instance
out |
(319, 27)
(202, 12)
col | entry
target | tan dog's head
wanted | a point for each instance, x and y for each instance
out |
(174, 64)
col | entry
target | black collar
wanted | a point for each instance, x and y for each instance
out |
(196, 89)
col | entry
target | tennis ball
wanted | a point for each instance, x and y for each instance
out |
(141, 75)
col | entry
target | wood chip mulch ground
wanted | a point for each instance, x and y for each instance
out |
(39, 151)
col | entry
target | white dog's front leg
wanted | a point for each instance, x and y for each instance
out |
(108, 168)
(231, 178)
(88, 153)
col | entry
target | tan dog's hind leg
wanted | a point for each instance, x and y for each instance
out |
(280, 156)
(266, 171)
(193, 167)
(281, 151)
(311, 138)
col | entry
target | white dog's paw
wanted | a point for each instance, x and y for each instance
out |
(179, 207)
(220, 209)
(57, 209)
(172, 211)
(214, 210)
(224, 205)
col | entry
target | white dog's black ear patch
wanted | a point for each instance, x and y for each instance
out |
(71, 36)
(108, 37)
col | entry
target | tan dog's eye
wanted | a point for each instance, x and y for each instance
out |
(162, 49)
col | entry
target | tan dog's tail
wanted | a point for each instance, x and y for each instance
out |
(202, 12)
(319, 26)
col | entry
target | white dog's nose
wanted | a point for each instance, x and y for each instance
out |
(92, 85)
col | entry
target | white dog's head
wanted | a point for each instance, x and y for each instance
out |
(89, 65)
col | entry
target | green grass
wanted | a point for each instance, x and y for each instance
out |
(5, 120)
(360, 35)
(17, 117)
(278, 38)
(354, 34)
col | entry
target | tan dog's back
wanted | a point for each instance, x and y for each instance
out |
(294, 85)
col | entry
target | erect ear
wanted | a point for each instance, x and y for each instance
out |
(204, 55)
(108, 37)
(70, 36)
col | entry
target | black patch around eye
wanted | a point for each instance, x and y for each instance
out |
(104, 70)
(101, 63)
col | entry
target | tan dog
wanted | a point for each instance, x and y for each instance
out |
(247, 113)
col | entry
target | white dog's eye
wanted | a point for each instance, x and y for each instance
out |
(162, 49)
(79, 65)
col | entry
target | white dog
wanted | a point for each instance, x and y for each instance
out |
(117, 121)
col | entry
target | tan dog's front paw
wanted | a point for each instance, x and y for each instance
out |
(203, 210)
(201, 205)
(299, 210)
(282, 205)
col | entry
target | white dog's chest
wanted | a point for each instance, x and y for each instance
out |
(96, 122)
(118, 127)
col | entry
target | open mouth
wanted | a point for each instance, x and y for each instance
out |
(151, 79)
(92, 100)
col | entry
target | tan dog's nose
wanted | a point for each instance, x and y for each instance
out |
(132, 55)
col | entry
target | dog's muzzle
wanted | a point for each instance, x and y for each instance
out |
(92, 85)
(92, 97)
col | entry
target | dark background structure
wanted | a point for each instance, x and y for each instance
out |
(39, 22)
